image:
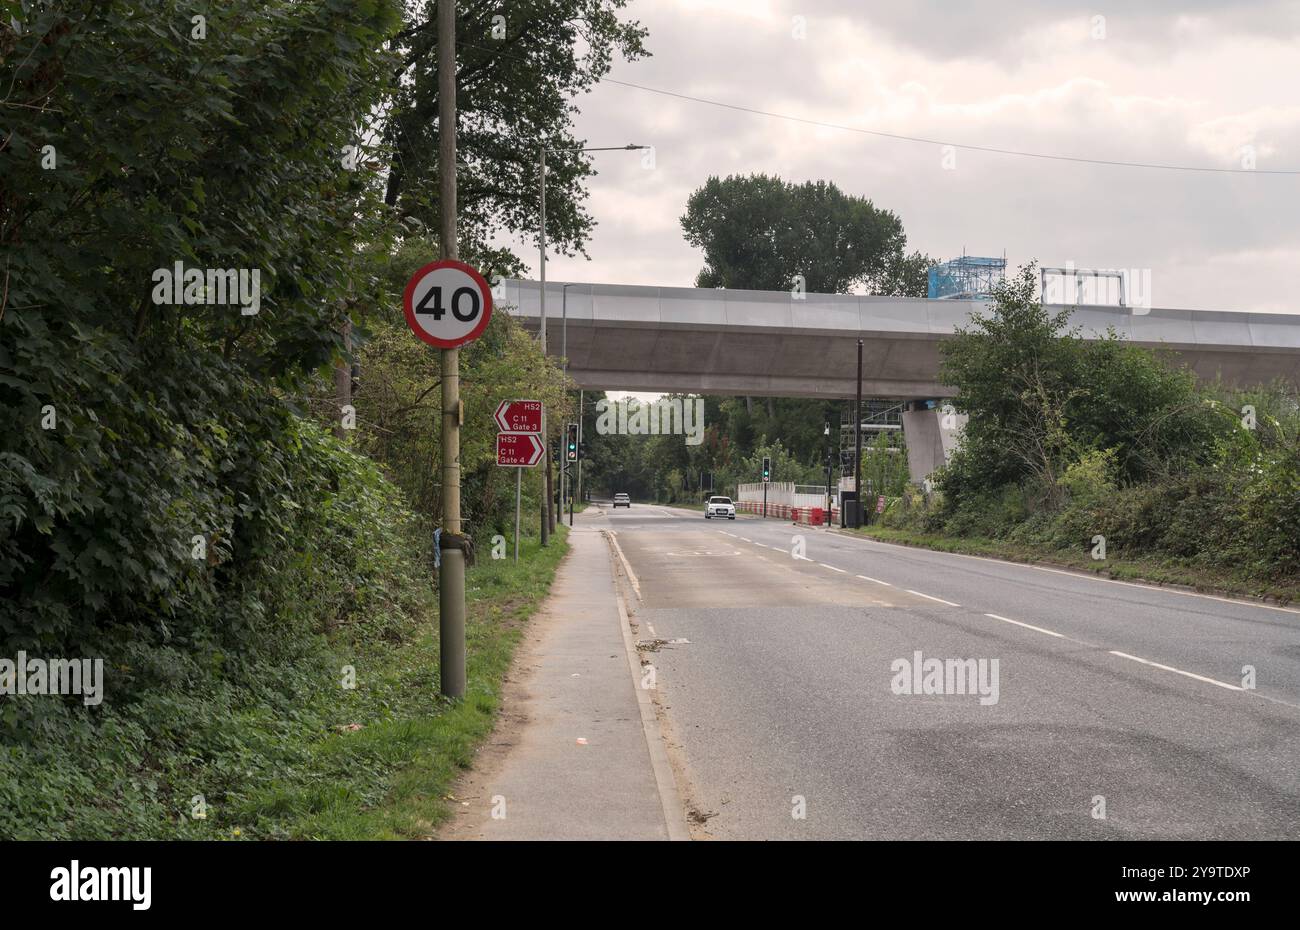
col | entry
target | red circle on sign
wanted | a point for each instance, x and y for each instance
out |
(408, 304)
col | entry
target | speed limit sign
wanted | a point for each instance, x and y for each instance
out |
(447, 303)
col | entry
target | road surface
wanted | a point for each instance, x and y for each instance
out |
(1119, 710)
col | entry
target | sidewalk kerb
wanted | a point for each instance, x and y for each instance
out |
(674, 811)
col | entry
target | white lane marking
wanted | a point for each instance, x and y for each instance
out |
(1027, 626)
(743, 538)
(651, 628)
(932, 597)
(1077, 574)
(764, 545)
(831, 567)
(1178, 671)
(876, 580)
(631, 575)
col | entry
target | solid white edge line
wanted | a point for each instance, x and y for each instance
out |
(931, 597)
(670, 799)
(1177, 671)
(1076, 573)
(631, 575)
(1027, 626)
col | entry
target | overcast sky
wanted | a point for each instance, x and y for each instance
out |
(1185, 83)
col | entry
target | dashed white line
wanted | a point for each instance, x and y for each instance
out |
(932, 597)
(746, 540)
(1177, 671)
(831, 567)
(1027, 626)
(876, 580)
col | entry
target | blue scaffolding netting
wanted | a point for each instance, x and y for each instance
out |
(970, 277)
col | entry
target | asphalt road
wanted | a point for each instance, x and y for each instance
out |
(788, 696)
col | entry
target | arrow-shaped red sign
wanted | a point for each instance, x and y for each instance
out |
(519, 450)
(519, 416)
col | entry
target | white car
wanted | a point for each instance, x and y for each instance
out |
(720, 507)
(622, 500)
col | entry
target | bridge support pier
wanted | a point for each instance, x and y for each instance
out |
(931, 437)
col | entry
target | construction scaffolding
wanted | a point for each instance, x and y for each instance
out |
(970, 277)
(878, 415)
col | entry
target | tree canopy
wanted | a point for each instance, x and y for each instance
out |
(520, 67)
(760, 232)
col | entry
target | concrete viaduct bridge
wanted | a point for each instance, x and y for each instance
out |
(768, 343)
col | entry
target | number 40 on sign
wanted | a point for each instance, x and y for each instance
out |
(447, 303)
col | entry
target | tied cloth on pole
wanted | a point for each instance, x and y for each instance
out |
(444, 540)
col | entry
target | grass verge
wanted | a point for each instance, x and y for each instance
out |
(385, 769)
(1125, 567)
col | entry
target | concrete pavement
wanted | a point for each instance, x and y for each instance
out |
(576, 753)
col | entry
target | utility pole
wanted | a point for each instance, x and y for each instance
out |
(546, 437)
(451, 576)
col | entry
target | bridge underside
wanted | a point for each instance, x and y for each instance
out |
(771, 343)
(616, 356)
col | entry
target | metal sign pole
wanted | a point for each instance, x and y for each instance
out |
(519, 478)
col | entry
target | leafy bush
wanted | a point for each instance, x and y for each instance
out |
(219, 709)
(1070, 438)
(162, 506)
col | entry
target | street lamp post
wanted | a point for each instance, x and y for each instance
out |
(564, 468)
(564, 353)
(857, 447)
(827, 434)
(541, 333)
(548, 512)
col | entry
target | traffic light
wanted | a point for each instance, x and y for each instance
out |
(767, 468)
(571, 447)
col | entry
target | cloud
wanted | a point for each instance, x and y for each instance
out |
(1189, 83)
